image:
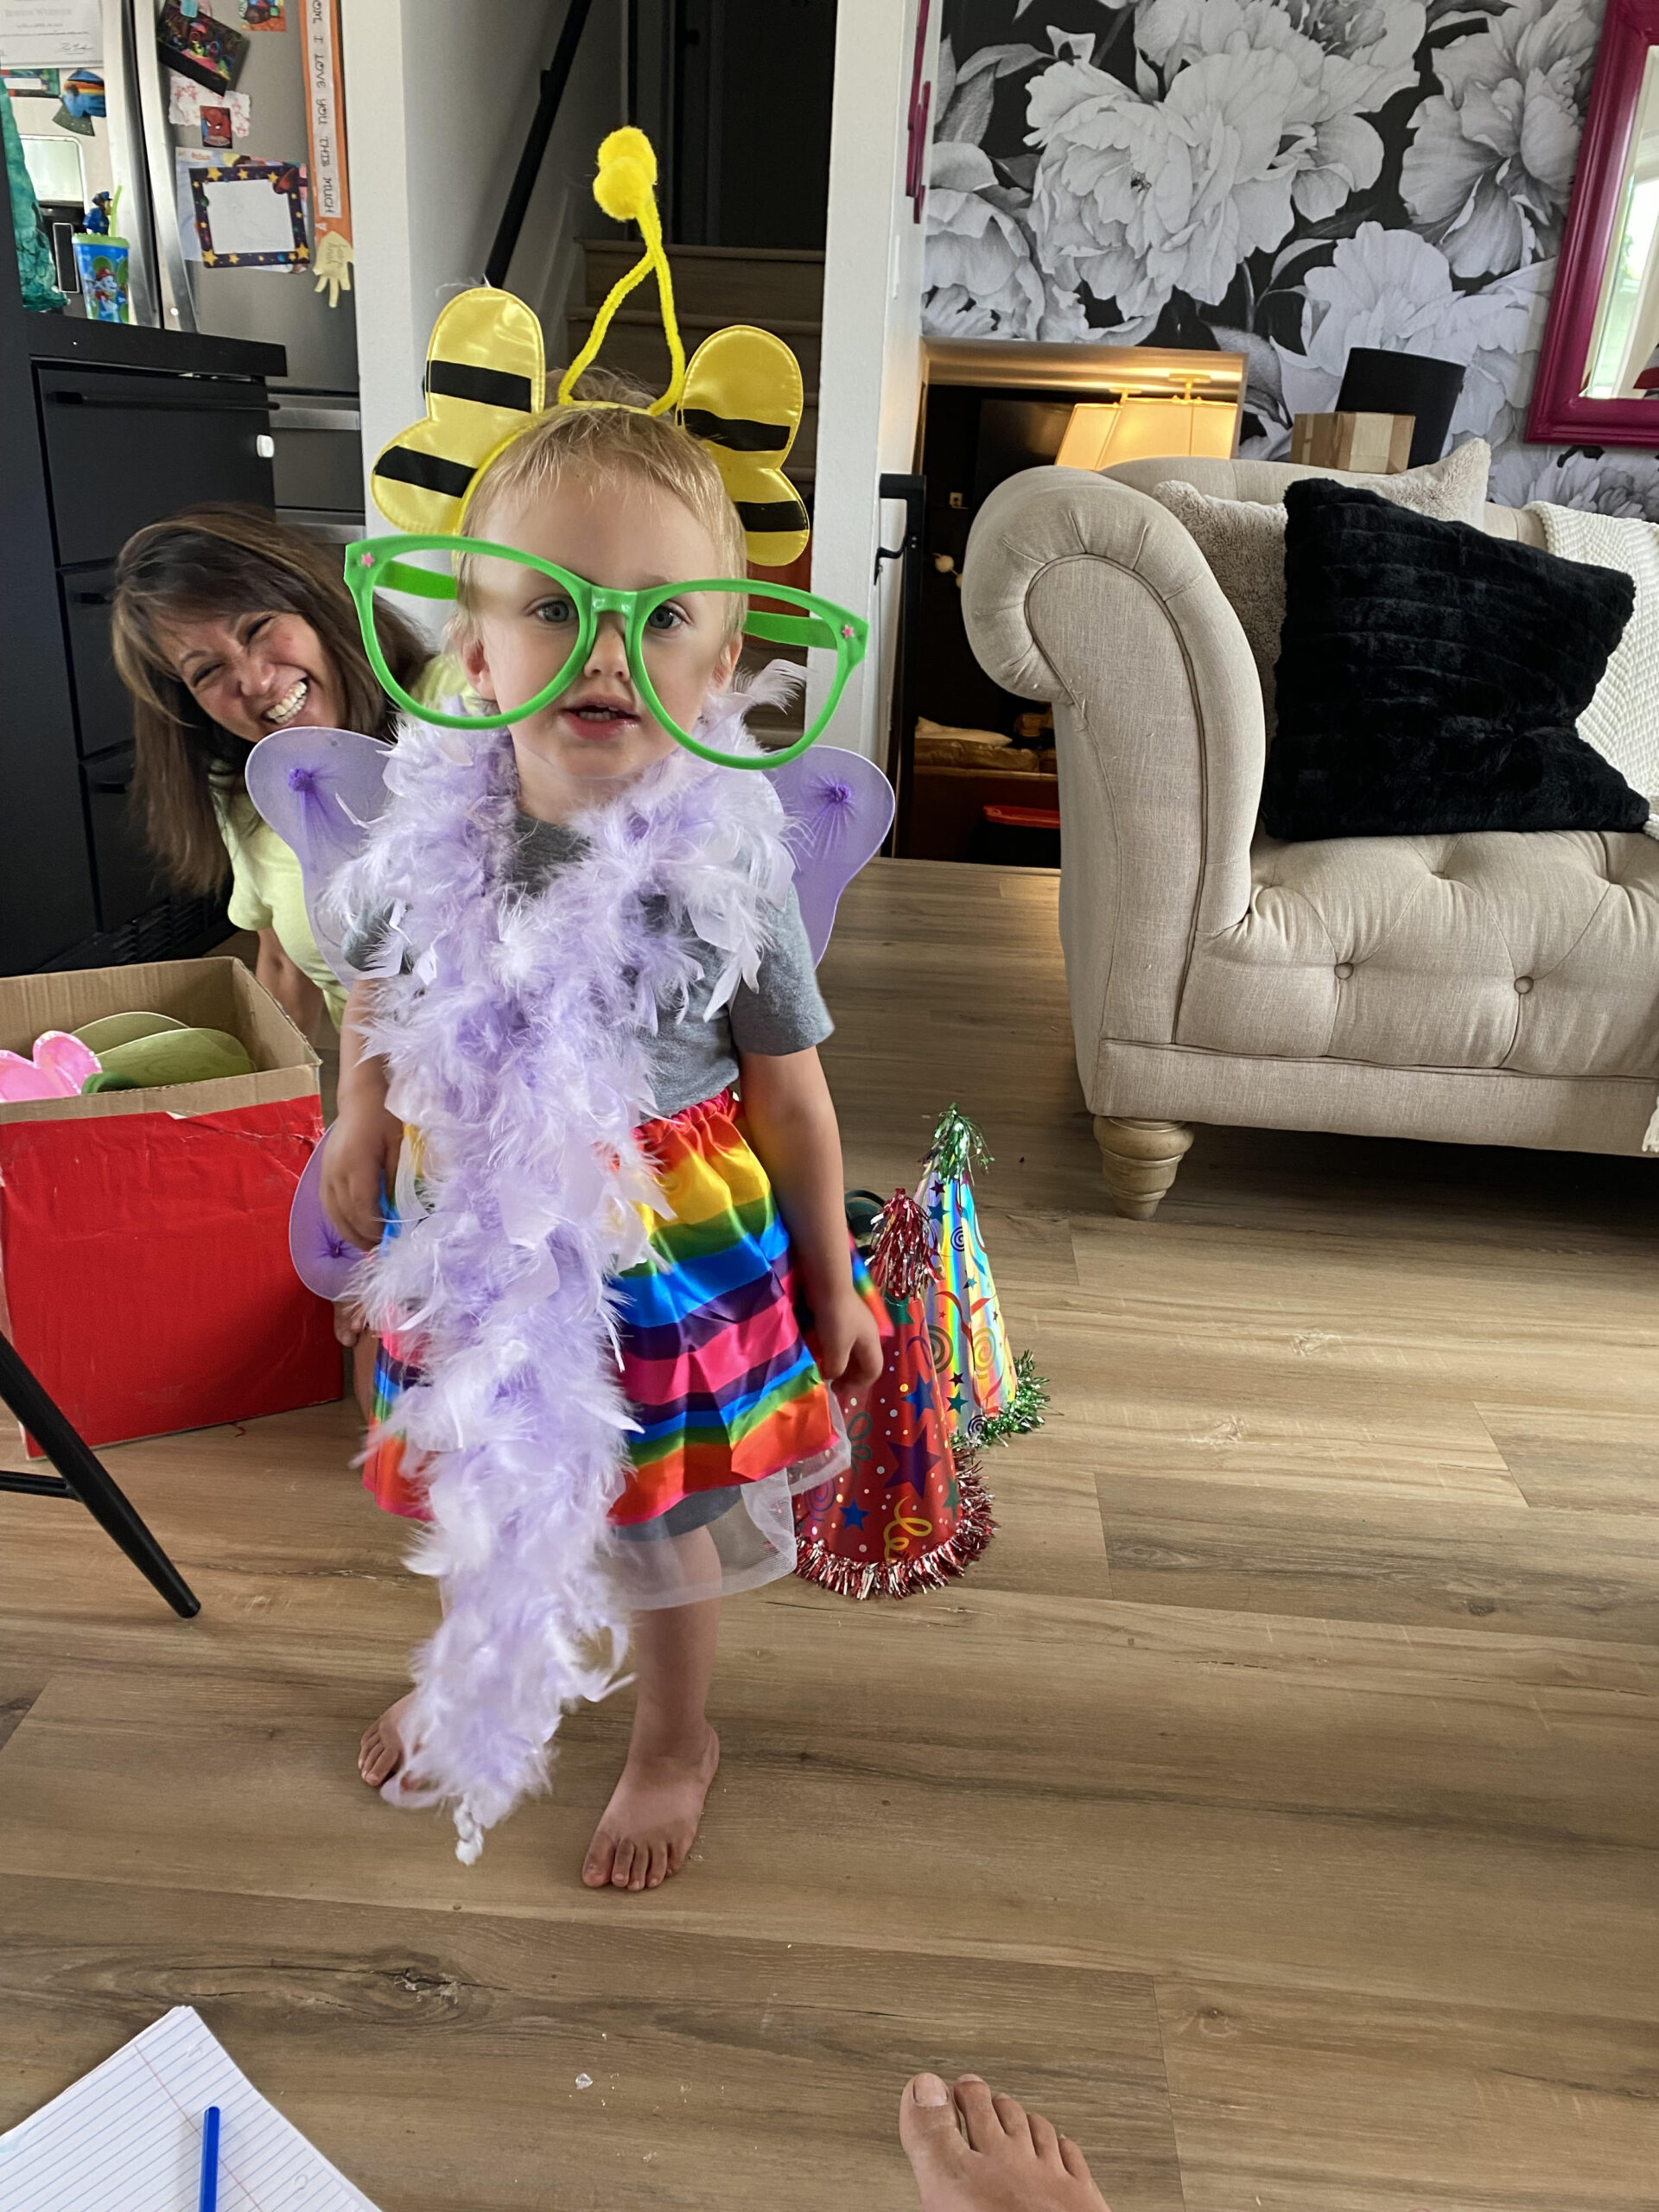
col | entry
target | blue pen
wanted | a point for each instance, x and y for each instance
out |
(209, 2200)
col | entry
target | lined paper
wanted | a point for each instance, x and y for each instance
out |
(127, 2138)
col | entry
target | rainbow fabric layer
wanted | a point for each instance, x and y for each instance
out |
(717, 1371)
(719, 1377)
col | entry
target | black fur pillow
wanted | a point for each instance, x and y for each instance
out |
(1430, 677)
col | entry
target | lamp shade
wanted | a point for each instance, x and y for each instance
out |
(1377, 383)
(1142, 427)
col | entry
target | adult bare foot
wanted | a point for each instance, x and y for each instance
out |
(650, 1822)
(1011, 2161)
(381, 1752)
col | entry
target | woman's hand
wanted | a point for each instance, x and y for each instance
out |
(848, 1346)
(361, 1157)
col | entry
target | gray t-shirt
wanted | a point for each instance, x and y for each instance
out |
(694, 1058)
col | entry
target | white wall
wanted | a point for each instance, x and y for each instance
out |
(439, 95)
(870, 385)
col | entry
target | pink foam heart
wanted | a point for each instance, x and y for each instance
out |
(21, 1079)
(67, 1060)
(61, 1065)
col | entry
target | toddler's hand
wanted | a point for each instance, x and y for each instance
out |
(349, 1323)
(848, 1346)
(362, 1153)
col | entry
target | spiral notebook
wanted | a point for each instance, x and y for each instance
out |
(128, 2135)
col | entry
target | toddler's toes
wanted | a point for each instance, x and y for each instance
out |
(597, 1866)
(380, 1755)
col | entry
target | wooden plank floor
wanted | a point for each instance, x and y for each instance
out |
(1274, 1804)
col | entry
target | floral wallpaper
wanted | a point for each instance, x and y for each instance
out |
(1280, 178)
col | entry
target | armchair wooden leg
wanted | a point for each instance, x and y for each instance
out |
(1140, 1159)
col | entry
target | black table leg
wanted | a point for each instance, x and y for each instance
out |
(86, 1477)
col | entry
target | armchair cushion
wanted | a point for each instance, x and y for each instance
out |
(1243, 540)
(1431, 678)
(1528, 955)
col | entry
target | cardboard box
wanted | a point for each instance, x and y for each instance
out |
(1371, 445)
(144, 1270)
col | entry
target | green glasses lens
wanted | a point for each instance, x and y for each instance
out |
(543, 598)
(784, 616)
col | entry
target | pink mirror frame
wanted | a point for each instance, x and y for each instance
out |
(1560, 414)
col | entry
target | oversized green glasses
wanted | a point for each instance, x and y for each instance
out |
(567, 617)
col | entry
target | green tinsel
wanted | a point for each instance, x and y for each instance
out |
(957, 1147)
(1023, 1412)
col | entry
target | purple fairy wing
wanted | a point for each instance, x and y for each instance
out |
(840, 809)
(320, 789)
(323, 1260)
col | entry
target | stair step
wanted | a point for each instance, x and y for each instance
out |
(635, 344)
(734, 283)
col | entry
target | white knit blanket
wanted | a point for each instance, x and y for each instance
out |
(1622, 721)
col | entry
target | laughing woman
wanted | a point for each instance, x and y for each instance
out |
(227, 624)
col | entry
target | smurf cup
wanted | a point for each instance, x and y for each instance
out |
(101, 264)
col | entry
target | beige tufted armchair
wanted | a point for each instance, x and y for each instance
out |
(1494, 989)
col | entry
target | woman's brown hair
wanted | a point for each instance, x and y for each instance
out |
(224, 561)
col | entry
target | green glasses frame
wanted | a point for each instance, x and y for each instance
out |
(373, 562)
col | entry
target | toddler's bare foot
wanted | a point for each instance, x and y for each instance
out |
(381, 1754)
(651, 1821)
(1013, 2161)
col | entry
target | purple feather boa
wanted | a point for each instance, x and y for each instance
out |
(515, 1046)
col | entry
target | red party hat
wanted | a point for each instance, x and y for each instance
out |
(908, 1514)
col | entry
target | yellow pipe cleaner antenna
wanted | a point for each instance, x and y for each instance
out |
(626, 189)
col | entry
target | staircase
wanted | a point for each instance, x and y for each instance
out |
(714, 285)
(777, 290)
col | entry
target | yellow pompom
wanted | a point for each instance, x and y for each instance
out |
(627, 174)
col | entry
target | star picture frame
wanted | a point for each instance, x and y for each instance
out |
(256, 236)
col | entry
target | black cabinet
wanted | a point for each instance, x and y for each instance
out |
(103, 712)
(125, 876)
(104, 429)
(123, 449)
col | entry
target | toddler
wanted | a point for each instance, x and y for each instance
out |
(746, 1322)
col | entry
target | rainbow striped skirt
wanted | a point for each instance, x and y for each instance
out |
(717, 1365)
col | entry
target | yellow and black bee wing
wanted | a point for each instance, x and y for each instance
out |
(486, 381)
(743, 399)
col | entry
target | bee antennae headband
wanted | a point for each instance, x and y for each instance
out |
(740, 395)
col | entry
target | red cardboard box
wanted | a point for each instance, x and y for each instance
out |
(144, 1273)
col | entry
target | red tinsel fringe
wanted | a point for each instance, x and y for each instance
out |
(903, 1259)
(903, 1578)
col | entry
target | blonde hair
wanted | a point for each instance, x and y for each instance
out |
(598, 444)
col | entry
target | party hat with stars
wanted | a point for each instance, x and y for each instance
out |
(908, 1513)
(989, 1396)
